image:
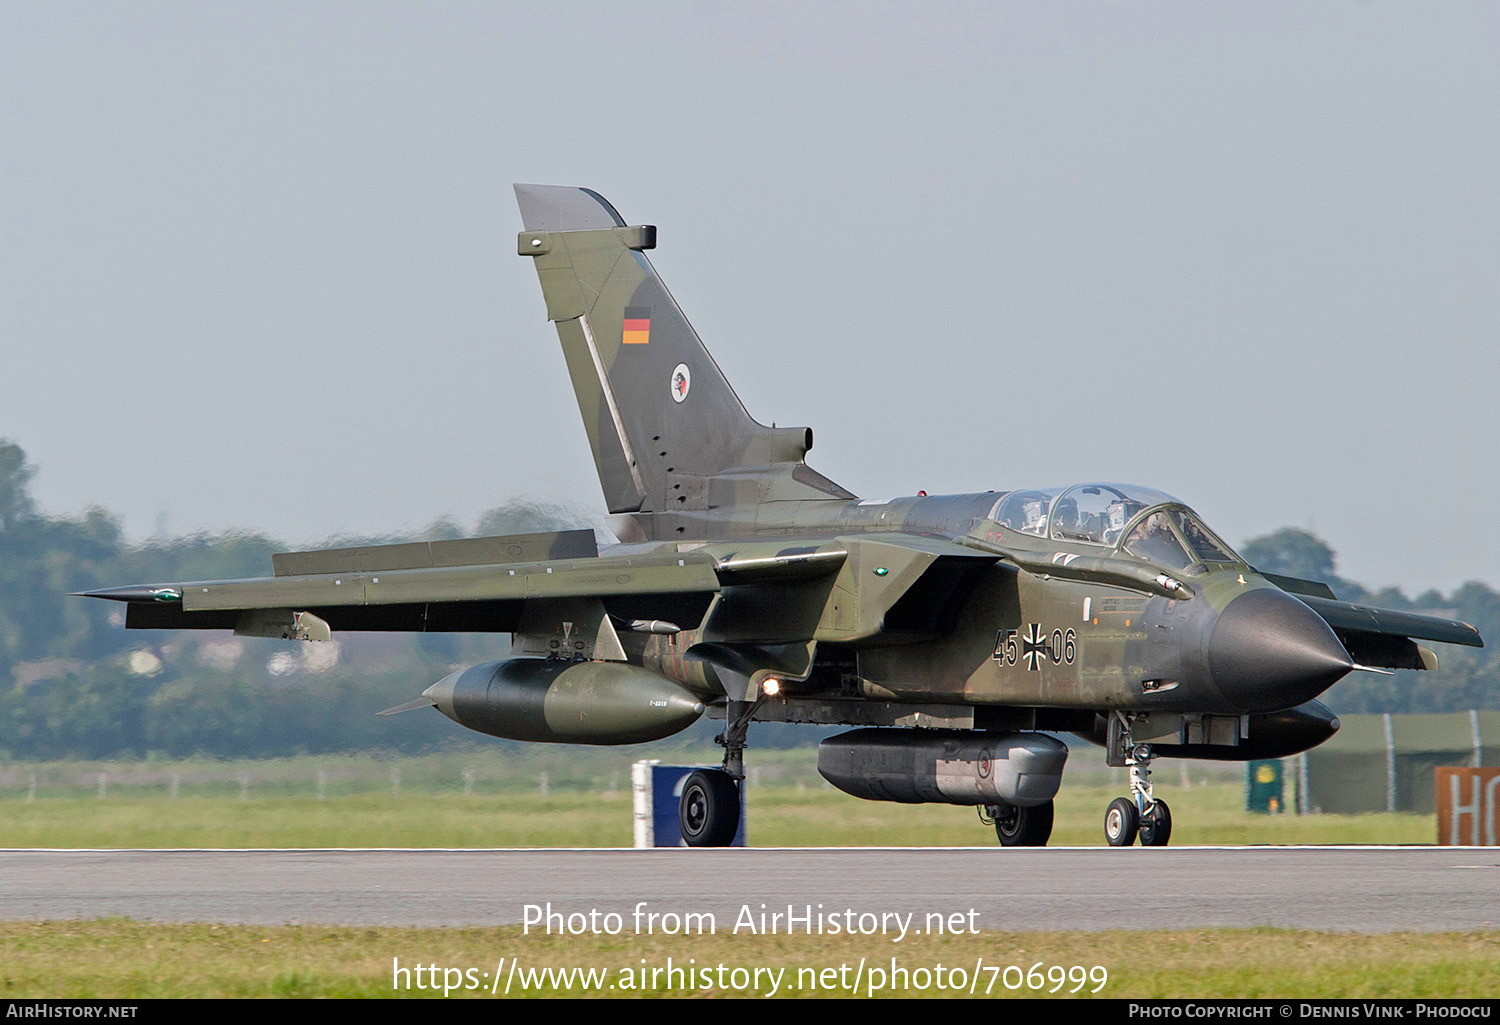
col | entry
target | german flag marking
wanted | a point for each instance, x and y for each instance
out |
(637, 329)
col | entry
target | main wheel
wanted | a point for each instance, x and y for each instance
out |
(1023, 827)
(1121, 821)
(709, 812)
(1156, 828)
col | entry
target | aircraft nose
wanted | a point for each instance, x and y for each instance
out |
(1269, 651)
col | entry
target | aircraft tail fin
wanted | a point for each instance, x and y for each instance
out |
(660, 415)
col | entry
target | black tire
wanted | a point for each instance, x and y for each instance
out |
(1121, 821)
(709, 812)
(1156, 828)
(1023, 827)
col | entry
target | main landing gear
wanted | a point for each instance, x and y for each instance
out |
(709, 812)
(1140, 814)
(1019, 827)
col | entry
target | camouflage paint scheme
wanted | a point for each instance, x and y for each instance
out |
(738, 564)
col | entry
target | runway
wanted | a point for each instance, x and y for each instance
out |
(1356, 889)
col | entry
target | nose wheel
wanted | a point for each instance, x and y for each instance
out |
(1121, 822)
(1156, 828)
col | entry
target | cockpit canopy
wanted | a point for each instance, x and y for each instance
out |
(1147, 524)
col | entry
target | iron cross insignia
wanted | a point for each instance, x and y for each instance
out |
(1035, 646)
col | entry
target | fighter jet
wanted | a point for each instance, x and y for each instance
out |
(956, 633)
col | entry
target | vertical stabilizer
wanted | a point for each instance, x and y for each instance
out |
(658, 410)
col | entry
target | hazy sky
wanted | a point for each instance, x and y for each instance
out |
(257, 260)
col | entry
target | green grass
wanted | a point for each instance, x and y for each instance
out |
(125, 959)
(779, 815)
(492, 797)
(588, 804)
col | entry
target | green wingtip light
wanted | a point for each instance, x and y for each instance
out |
(881, 571)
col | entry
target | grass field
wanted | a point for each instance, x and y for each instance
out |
(778, 816)
(486, 800)
(132, 959)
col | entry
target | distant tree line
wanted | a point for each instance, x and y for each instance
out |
(74, 683)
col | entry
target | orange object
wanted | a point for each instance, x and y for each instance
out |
(1468, 806)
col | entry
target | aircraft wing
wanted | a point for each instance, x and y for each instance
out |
(780, 589)
(1379, 637)
(1347, 617)
(468, 585)
(471, 585)
(1388, 638)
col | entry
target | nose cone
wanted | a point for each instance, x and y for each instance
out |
(1269, 651)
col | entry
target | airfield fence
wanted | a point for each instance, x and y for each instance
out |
(329, 777)
(1385, 763)
(325, 778)
(479, 771)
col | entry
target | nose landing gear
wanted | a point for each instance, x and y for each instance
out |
(1140, 814)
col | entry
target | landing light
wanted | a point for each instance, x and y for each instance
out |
(771, 688)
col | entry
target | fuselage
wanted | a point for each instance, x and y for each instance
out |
(1147, 611)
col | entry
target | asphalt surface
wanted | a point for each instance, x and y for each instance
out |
(1365, 889)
